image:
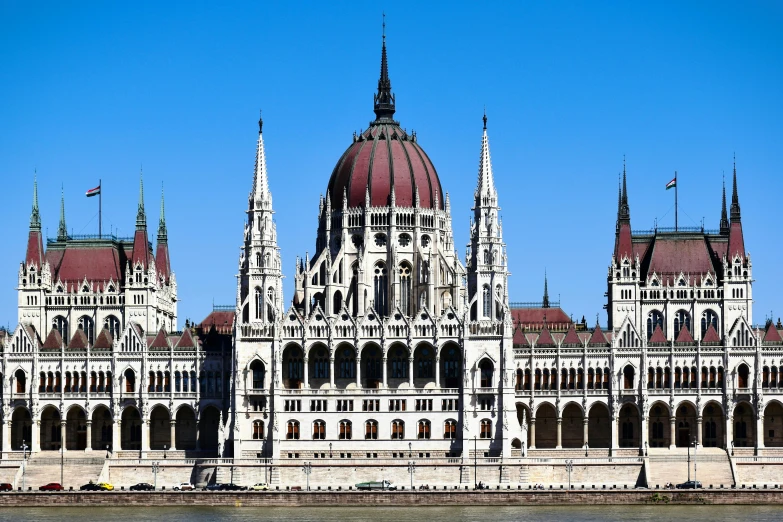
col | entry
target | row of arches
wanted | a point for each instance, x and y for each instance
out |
(87, 324)
(343, 430)
(682, 319)
(80, 430)
(373, 368)
(565, 379)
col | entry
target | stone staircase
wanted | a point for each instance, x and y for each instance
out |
(504, 475)
(44, 468)
(671, 465)
(524, 474)
(464, 475)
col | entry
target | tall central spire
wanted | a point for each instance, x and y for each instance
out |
(260, 178)
(162, 232)
(735, 206)
(724, 217)
(486, 181)
(35, 216)
(624, 214)
(141, 217)
(383, 102)
(62, 230)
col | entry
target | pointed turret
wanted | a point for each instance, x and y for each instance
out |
(141, 248)
(486, 181)
(34, 255)
(724, 218)
(162, 262)
(383, 101)
(736, 240)
(545, 302)
(622, 246)
(260, 179)
(62, 230)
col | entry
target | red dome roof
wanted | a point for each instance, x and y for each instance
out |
(382, 157)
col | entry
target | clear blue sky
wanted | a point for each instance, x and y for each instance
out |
(96, 89)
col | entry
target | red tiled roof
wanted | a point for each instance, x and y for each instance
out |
(160, 340)
(736, 241)
(520, 339)
(385, 154)
(571, 337)
(772, 335)
(186, 341)
(162, 262)
(711, 336)
(35, 250)
(537, 317)
(685, 336)
(657, 336)
(54, 341)
(141, 249)
(78, 341)
(222, 321)
(545, 338)
(75, 262)
(672, 256)
(103, 341)
(598, 338)
(623, 243)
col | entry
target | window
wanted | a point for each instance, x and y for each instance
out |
(397, 430)
(88, 326)
(319, 430)
(405, 288)
(371, 405)
(257, 369)
(321, 364)
(318, 405)
(423, 404)
(654, 319)
(486, 403)
(347, 364)
(424, 364)
(397, 404)
(681, 320)
(130, 381)
(486, 373)
(450, 404)
(292, 433)
(486, 429)
(344, 405)
(258, 430)
(293, 405)
(708, 318)
(423, 429)
(177, 381)
(450, 429)
(345, 430)
(399, 364)
(628, 374)
(371, 430)
(487, 302)
(381, 288)
(742, 373)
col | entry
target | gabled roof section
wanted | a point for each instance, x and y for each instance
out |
(104, 341)
(598, 338)
(545, 338)
(657, 336)
(54, 341)
(685, 336)
(571, 338)
(78, 341)
(520, 339)
(222, 321)
(711, 336)
(772, 335)
(185, 341)
(161, 341)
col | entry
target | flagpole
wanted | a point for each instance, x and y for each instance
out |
(676, 227)
(100, 201)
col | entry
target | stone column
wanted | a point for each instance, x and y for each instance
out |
(584, 432)
(672, 432)
(358, 372)
(760, 432)
(198, 439)
(331, 371)
(437, 371)
(559, 433)
(88, 446)
(7, 431)
(644, 433)
(385, 373)
(306, 373)
(698, 430)
(146, 428)
(532, 433)
(63, 432)
(35, 435)
(173, 435)
(410, 372)
(116, 436)
(730, 433)
(614, 433)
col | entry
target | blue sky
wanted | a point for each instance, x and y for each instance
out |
(98, 89)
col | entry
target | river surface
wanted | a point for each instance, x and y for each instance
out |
(393, 514)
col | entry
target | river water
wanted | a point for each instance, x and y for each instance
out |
(391, 514)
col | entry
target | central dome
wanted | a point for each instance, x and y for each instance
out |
(385, 158)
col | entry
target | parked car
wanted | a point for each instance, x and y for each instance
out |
(213, 487)
(261, 486)
(90, 486)
(142, 486)
(105, 486)
(52, 486)
(690, 484)
(184, 486)
(5, 486)
(232, 487)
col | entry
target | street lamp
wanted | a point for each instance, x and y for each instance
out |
(695, 447)
(410, 450)
(164, 451)
(475, 462)
(411, 471)
(155, 468)
(307, 468)
(330, 450)
(24, 465)
(569, 464)
(62, 463)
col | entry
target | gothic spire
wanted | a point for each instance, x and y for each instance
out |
(260, 178)
(162, 232)
(545, 304)
(62, 230)
(735, 206)
(35, 216)
(141, 217)
(383, 102)
(724, 219)
(486, 180)
(624, 213)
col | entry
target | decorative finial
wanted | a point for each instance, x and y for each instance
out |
(35, 216)
(62, 230)
(384, 26)
(141, 217)
(162, 232)
(260, 122)
(485, 117)
(383, 101)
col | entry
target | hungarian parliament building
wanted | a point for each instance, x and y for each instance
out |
(391, 347)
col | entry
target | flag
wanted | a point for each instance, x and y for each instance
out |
(94, 191)
(671, 184)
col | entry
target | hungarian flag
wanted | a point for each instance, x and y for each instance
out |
(671, 184)
(94, 191)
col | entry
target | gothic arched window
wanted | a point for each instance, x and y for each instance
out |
(681, 319)
(405, 288)
(708, 318)
(654, 318)
(487, 302)
(381, 287)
